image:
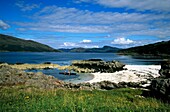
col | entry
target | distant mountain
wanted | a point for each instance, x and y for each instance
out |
(105, 49)
(9, 43)
(156, 49)
(64, 50)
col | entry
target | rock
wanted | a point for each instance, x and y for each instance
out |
(43, 81)
(133, 84)
(11, 77)
(160, 87)
(97, 65)
(165, 69)
(2, 62)
(107, 85)
(47, 63)
(19, 63)
(94, 60)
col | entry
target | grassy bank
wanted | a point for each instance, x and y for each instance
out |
(20, 99)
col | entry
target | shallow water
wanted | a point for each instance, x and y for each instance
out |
(78, 78)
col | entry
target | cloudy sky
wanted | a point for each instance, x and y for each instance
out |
(87, 23)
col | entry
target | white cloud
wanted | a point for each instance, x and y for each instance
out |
(62, 19)
(86, 41)
(122, 41)
(3, 25)
(26, 7)
(91, 46)
(63, 15)
(140, 5)
(85, 44)
(69, 44)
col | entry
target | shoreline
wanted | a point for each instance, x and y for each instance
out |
(133, 73)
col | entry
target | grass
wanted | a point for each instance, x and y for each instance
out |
(21, 99)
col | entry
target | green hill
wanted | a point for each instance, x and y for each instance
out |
(156, 49)
(9, 43)
(105, 49)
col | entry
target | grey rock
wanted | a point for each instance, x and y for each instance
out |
(165, 69)
(160, 87)
(12, 77)
(98, 66)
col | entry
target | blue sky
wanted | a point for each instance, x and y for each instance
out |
(87, 23)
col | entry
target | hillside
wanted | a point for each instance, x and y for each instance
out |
(9, 43)
(105, 49)
(156, 49)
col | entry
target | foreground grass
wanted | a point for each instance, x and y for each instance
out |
(33, 100)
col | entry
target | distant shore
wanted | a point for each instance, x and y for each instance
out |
(133, 73)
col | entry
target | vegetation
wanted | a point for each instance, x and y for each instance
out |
(156, 49)
(9, 43)
(105, 49)
(21, 99)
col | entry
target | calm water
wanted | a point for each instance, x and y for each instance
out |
(66, 58)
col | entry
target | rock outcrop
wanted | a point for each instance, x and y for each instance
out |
(160, 87)
(165, 69)
(96, 65)
(103, 85)
(11, 77)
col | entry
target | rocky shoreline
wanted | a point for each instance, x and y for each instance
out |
(9, 76)
(79, 66)
(13, 77)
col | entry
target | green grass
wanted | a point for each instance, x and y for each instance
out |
(20, 99)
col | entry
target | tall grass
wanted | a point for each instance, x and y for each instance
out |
(33, 100)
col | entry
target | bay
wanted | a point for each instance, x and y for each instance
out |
(66, 58)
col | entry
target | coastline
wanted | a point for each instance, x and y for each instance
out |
(132, 73)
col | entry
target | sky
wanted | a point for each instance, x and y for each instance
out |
(87, 23)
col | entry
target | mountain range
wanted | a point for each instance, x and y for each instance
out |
(13, 44)
(105, 49)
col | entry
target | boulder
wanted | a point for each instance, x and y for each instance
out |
(165, 69)
(107, 85)
(160, 87)
(97, 65)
